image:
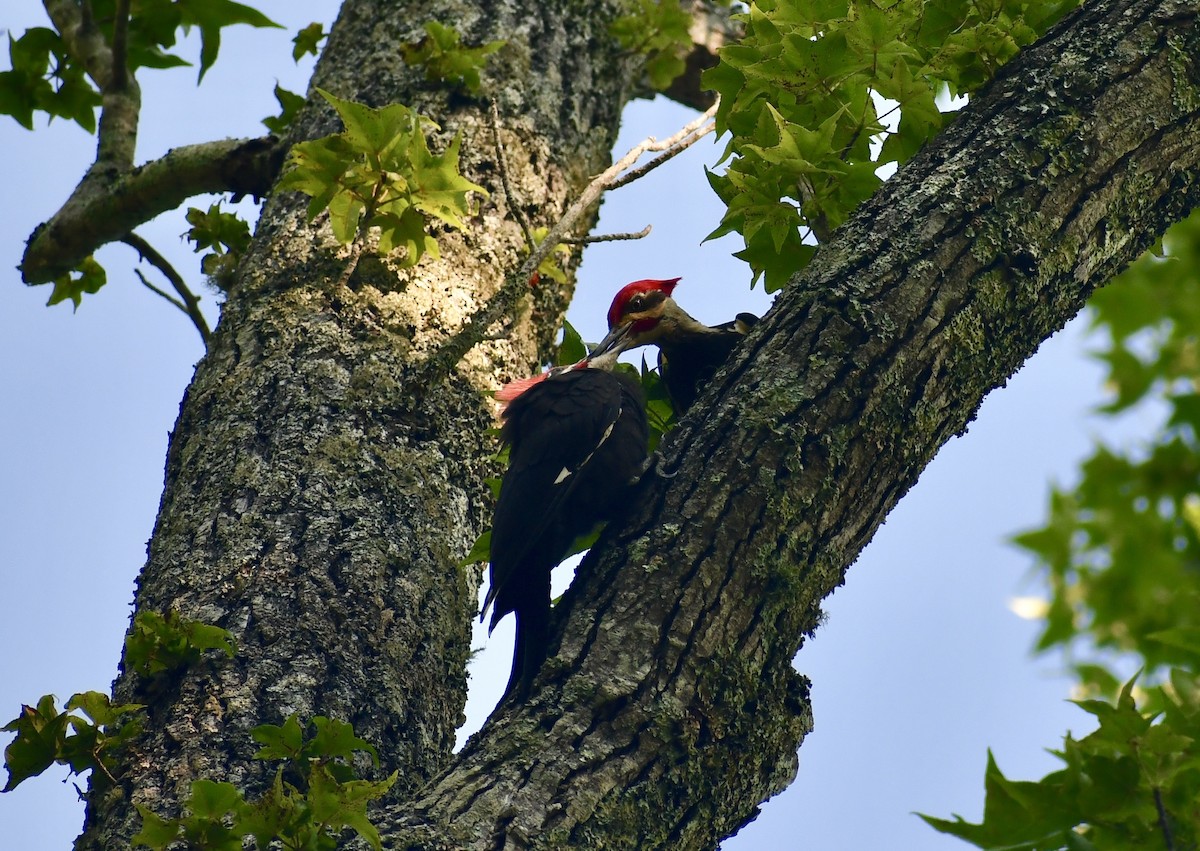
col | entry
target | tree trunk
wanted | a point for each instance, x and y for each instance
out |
(318, 497)
(321, 485)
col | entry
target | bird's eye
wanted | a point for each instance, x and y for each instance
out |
(637, 302)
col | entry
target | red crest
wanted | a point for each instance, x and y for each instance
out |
(630, 290)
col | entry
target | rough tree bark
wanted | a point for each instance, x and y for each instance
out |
(318, 498)
(318, 495)
(671, 708)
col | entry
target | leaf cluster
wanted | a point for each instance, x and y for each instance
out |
(446, 60)
(807, 94)
(84, 741)
(1121, 550)
(310, 813)
(158, 644)
(225, 234)
(88, 277)
(379, 173)
(659, 30)
(1132, 784)
(46, 77)
(1120, 553)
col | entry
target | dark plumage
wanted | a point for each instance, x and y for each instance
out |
(577, 442)
(689, 352)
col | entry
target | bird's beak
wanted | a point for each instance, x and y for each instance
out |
(617, 341)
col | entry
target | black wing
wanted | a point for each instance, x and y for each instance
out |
(576, 440)
(687, 364)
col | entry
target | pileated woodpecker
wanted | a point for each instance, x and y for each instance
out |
(689, 352)
(577, 440)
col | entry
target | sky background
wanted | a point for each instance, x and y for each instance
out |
(920, 667)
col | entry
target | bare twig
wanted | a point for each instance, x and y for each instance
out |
(592, 192)
(158, 291)
(356, 249)
(517, 282)
(818, 225)
(187, 301)
(1164, 820)
(683, 145)
(514, 205)
(605, 237)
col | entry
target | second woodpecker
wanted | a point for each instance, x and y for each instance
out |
(689, 352)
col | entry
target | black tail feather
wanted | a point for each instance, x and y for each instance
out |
(529, 650)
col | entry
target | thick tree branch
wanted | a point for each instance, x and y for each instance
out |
(103, 210)
(712, 29)
(671, 708)
(105, 64)
(82, 38)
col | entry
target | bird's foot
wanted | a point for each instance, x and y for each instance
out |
(653, 464)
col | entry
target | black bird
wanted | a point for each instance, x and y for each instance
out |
(577, 441)
(689, 352)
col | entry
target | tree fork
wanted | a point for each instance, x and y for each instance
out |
(671, 710)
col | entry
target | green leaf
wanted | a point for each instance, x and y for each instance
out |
(289, 107)
(336, 739)
(212, 800)
(481, 550)
(41, 731)
(210, 17)
(100, 708)
(1017, 815)
(279, 742)
(157, 832)
(91, 277)
(278, 814)
(308, 41)
(571, 349)
(441, 191)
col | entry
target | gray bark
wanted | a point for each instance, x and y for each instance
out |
(318, 495)
(672, 709)
(317, 498)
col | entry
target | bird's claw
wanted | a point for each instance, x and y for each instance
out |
(653, 463)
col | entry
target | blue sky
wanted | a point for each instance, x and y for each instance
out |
(919, 668)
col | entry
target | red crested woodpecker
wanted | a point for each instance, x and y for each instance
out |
(577, 440)
(689, 352)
